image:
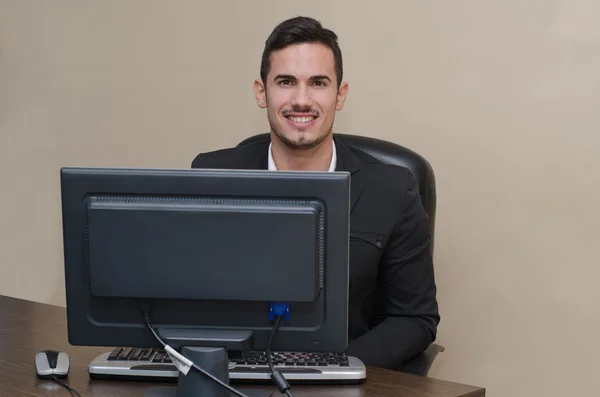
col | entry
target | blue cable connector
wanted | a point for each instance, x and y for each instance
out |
(278, 310)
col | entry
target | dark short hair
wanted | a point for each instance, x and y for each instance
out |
(299, 30)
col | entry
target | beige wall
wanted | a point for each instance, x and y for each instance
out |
(502, 97)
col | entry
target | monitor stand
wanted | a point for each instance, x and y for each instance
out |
(208, 350)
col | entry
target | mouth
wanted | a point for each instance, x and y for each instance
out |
(302, 121)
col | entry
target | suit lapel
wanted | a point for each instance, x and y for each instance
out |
(347, 161)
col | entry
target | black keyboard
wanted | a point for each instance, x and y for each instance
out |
(128, 363)
(246, 358)
(310, 359)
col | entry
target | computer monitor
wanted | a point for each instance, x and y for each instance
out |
(206, 261)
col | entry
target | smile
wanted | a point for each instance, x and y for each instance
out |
(301, 119)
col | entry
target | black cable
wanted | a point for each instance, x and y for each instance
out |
(276, 376)
(271, 337)
(69, 388)
(210, 376)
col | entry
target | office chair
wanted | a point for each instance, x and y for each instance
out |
(391, 153)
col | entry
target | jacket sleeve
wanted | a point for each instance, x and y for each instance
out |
(406, 279)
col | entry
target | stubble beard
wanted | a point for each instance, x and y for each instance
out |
(301, 143)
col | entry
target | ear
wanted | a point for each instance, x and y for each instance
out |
(260, 93)
(341, 96)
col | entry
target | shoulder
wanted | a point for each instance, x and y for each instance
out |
(247, 156)
(386, 193)
(393, 178)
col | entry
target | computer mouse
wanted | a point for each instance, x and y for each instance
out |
(50, 364)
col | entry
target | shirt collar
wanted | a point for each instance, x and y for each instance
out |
(332, 165)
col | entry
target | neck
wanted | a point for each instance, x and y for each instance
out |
(314, 159)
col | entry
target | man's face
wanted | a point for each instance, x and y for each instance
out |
(301, 94)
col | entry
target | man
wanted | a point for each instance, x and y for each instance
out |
(393, 312)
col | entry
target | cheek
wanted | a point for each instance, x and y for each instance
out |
(277, 101)
(326, 103)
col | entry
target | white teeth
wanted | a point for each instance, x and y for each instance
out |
(304, 119)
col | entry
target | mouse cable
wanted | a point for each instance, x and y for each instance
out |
(69, 388)
(189, 362)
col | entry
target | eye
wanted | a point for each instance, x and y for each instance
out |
(320, 83)
(285, 82)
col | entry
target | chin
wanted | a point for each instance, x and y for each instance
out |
(301, 140)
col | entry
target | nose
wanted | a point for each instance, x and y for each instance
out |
(301, 97)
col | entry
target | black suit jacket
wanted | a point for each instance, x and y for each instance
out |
(393, 311)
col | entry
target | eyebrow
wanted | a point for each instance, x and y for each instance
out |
(291, 77)
(320, 77)
(284, 77)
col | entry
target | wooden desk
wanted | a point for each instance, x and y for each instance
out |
(28, 327)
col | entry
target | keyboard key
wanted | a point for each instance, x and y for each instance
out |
(137, 353)
(125, 353)
(147, 355)
(158, 358)
(114, 354)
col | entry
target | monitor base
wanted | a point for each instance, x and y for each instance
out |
(213, 360)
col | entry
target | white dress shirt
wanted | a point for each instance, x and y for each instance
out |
(332, 165)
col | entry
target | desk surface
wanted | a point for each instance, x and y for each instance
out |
(28, 327)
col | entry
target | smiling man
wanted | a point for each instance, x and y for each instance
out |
(393, 311)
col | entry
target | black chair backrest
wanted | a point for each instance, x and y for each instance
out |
(389, 153)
